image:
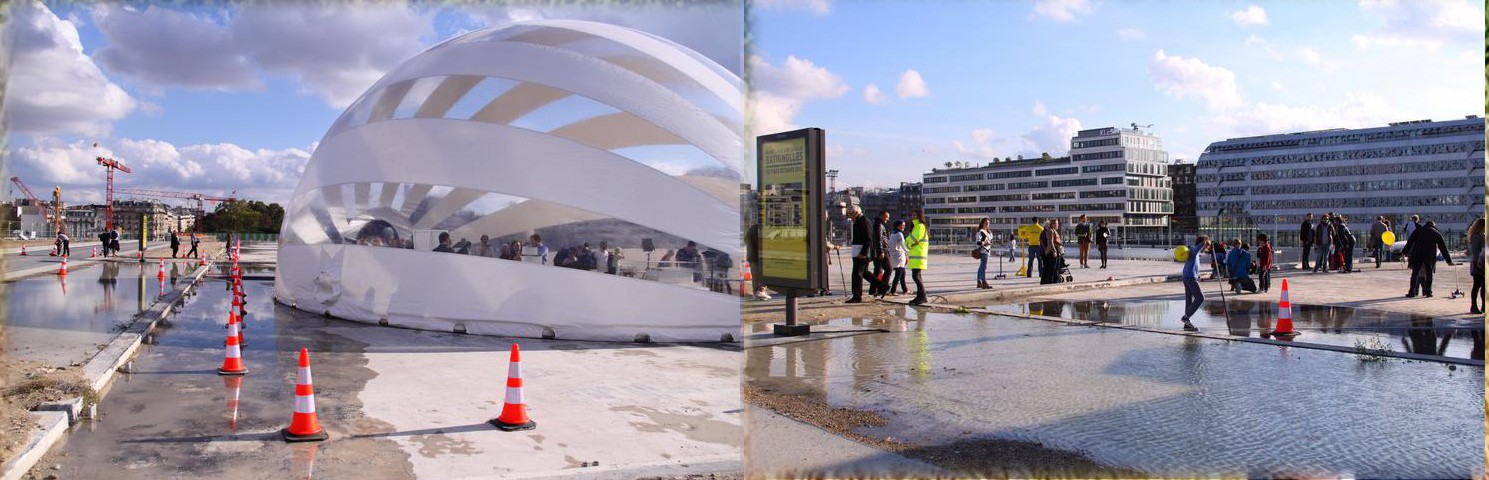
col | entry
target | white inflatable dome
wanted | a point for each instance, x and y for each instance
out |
(578, 132)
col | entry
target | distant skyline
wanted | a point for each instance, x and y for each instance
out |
(902, 87)
(218, 97)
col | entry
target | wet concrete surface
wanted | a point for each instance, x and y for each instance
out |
(63, 320)
(1247, 317)
(1161, 404)
(171, 417)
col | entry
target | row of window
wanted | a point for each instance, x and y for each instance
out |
(1343, 203)
(1386, 169)
(966, 177)
(1143, 168)
(1150, 207)
(952, 189)
(1338, 155)
(1477, 127)
(1076, 182)
(984, 187)
(1053, 196)
(1111, 167)
(1024, 185)
(1105, 142)
(1081, 157)
(1362, 186)
(1056, 171)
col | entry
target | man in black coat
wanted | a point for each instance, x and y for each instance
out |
(1305, 237)
(1421, 255)
(862, 250)
(878, 255)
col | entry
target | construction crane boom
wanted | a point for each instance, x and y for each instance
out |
(110, 165)
(46, 210)
(200, 200)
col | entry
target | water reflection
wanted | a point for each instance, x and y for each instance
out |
(1328, 324)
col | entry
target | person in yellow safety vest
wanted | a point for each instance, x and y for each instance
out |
(1030, 235)
(919, 245)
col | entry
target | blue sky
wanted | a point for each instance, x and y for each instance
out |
(216, 97)
(1017, 78)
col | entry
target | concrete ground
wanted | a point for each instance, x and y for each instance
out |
(403, 403)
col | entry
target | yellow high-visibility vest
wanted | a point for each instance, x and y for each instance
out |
(1030, 233)
(919, 246)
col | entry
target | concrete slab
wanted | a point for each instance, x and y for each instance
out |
(51, 427)
(779, 447)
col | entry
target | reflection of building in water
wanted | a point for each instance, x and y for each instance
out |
(578, 132)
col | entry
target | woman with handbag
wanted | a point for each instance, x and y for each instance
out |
(981, 251)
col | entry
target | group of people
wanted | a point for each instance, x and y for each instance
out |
(581, 257)
(1236, 263)
(176, 244)
(1046, 247)
(890, 248)
(1334, 245)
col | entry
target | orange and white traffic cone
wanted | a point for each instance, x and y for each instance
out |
(23, 249)
(232, 360)
(63, 271)
(162, 268)
(233, 384)
(1284, 315)
(304, 427)
(514, 412)
(233, 318)
(746, 278)
(94, 253)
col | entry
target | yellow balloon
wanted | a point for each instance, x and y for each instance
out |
(1181, 254)
(1388, 237)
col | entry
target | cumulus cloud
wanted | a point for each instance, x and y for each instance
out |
(1063, 10)
(1355, 111)
(819, 7)
(334, 50)
(778, 92)
(1190, 77)
(1420, 23)
(1308, 54)
(53, 86)
(1131, 34)
(1251, 16)
(1051, 135)
(214, 168)
(911, 85)
(872, 95)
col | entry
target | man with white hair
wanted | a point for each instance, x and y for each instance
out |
(861, 248)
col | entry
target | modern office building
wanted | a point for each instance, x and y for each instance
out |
(1427, 168)
(1116, 175)
(1185, 219)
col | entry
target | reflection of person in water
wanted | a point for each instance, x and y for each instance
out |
(1422, 338)
(378, 233)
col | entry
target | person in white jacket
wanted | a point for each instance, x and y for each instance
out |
(898, 257)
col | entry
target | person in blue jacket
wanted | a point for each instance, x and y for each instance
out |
(1193, 296)
(1239, 261)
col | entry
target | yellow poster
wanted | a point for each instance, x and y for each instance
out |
(783, 197)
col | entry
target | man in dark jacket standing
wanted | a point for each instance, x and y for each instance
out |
(175, 244)
(1323, 238)
(1421, 255)
(1345, 240)
(862, 249)
(1305, 237)
(1376, 230)
(879, 240)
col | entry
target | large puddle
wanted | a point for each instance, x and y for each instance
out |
(1168, 405)
(1331, 325)
(61, 320)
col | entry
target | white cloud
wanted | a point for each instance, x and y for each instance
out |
(911, 85)
(1063, 10)
(53, 87)
(1052, 135)
(1251, 16)
(1277, 86)
(1131, 34)
(1355, 111)
(1259, 42)
(1308, 54)
(872, 95)
(216, 169)
(819, 7)
(1420, 23)
(334, 50)
(1190, 77)
(777, 93)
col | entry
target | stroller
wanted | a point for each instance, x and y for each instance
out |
(1062, 271)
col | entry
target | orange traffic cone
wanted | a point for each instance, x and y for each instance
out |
(514, 412)
(232, 360)
(94, 253)
(233, 384)
(63, 270)
(162, 268)
(304, 427)
(23, 249)
(202, 259)
(1284, 315)
(746, 278)
(233, 318)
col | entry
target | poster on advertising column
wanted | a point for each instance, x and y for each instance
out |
(791, 211)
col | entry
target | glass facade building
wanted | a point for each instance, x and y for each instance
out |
(1113, 174)
(1426, 168)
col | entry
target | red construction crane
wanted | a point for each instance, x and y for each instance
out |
(201, 200)
(46, 209)
(108, 195)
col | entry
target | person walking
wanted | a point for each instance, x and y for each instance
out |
(1305, 238)
(918, 246)
(1476, 266)
(862, 249)
(1411, 227)
(984, 249)
(175, 244)
(1323, 236)
(1375, 243)
(1346, 242)
(897, 256)
(1083, 238)
(878, 257)
(114, 241)
(1421, 256)
(1264, 262)
(195, 242)
(1194, 297)
(1103, 234)
(1030, 233)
